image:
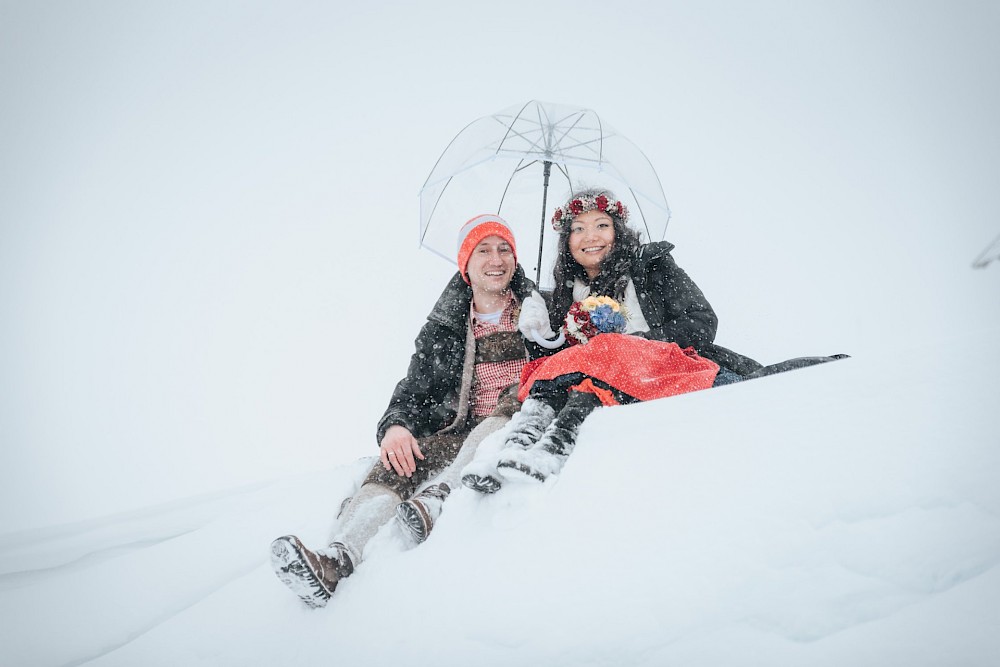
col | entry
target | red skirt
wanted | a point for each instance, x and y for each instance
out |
(643, 369)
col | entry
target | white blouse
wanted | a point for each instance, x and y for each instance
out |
(634, 320)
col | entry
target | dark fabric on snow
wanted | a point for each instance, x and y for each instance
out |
(427, 400)
(792, 364)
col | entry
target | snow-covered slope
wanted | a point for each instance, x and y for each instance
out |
(841, 514)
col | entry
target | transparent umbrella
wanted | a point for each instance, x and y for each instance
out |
(524, 161)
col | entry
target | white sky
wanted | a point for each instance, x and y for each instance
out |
(208, 211)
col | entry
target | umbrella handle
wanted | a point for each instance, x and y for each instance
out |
(558, 341)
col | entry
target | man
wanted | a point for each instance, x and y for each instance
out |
(465, 369)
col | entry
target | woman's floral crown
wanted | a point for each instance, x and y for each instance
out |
(592, 316)
(593, 202)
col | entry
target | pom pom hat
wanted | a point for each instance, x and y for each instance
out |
(477, 229)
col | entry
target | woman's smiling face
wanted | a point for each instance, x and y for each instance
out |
(591, 237)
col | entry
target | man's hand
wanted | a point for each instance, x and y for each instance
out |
(534, 317)
(398, 449)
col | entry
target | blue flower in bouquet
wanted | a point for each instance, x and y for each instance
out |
(607, 320)
(593, 316)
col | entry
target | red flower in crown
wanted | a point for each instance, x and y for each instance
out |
(564, 215)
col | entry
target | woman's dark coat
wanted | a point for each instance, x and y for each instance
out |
(674, 307)
(434, 395)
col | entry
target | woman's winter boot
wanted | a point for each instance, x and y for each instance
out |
(530, 423)
(548, 455)
(418, 514)
(527, 426)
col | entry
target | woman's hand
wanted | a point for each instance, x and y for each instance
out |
(398, 449)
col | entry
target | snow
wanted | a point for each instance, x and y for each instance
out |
(841, 514)
(209, 284)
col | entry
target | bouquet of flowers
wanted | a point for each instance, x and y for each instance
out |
(592, 316)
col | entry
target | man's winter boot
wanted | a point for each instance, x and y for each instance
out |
(312, 575)
(548, 455)
(418, 514)
(483, 482)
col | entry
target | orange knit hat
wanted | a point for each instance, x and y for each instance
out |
(477, 229)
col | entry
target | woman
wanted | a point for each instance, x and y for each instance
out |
(600, 255)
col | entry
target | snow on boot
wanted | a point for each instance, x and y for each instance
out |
(547, 456)
(372, 507)
(312, 575)
(418, 514)
(480, 474)
(528, 425)
(538, 463)
(343, 505)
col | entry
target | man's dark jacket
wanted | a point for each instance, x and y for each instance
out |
(428, 398)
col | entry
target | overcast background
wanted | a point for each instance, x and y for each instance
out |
(209, 272)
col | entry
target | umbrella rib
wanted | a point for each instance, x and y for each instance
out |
(579, 116)
(517, 169)
(545, 126)
(565, 172)
(656, 179)
(585, 144)
(433, 209)
(600, 133)
(445, 151)
(562, 152)
(545, 132)
(638, 205)
(510, 128)
(533, 143)
(511, 180)
(465, 168)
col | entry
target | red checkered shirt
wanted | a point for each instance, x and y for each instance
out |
(491, 378)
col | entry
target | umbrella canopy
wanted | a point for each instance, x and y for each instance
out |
(523, 162)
